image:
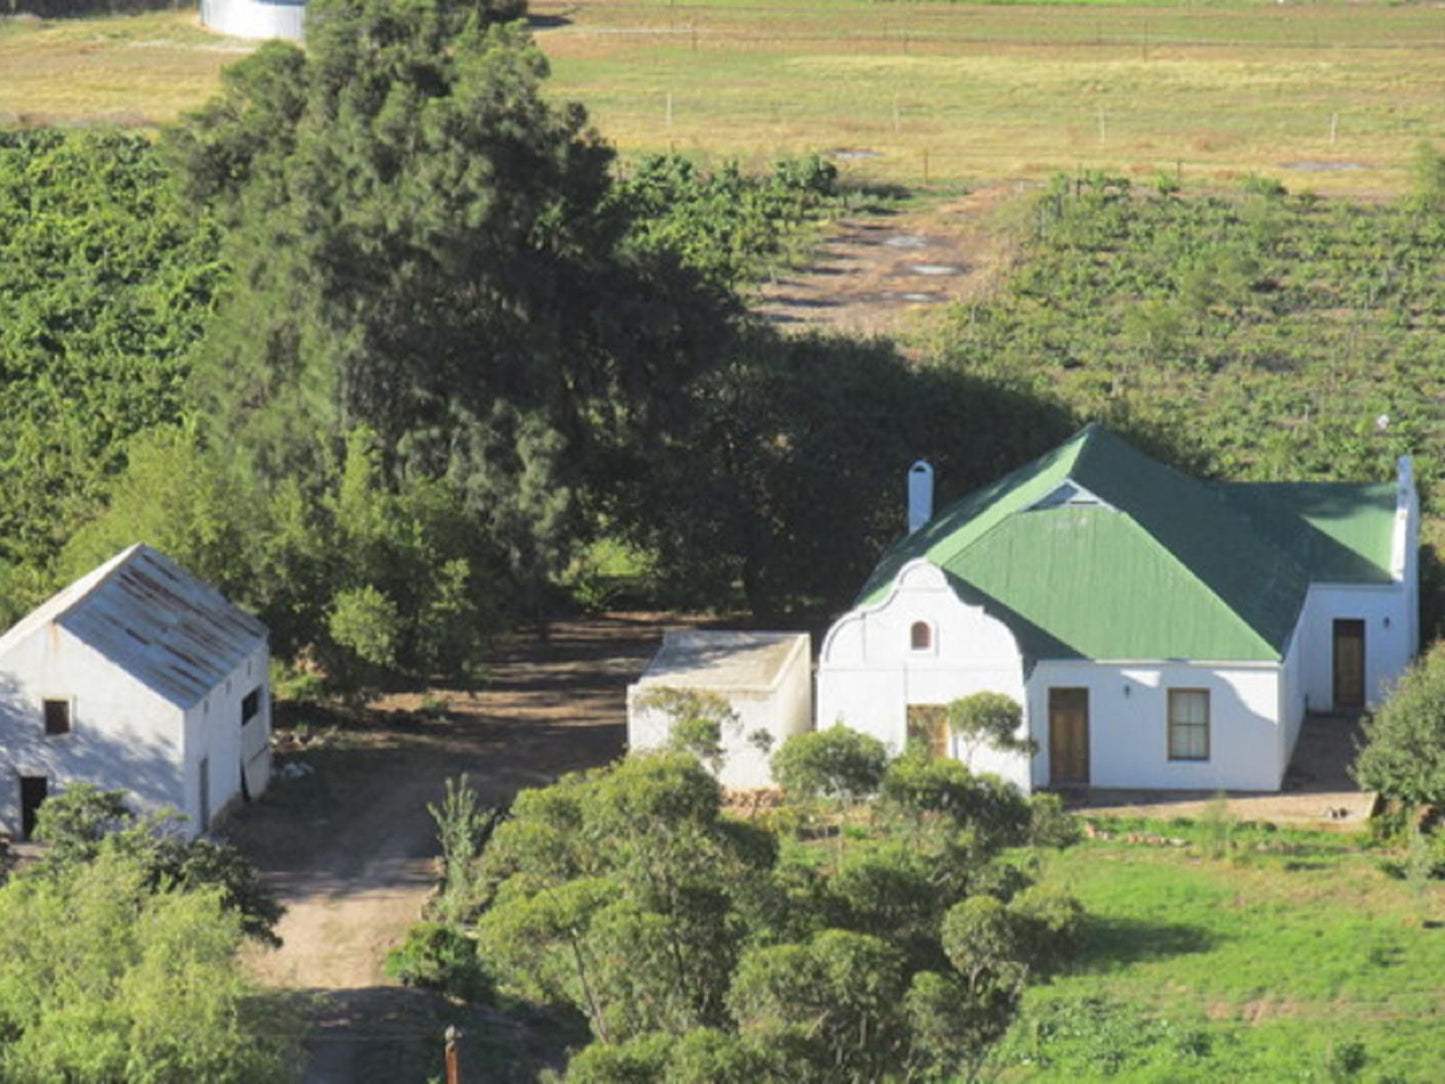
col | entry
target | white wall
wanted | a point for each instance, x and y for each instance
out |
(123, 735)
(214, 733)
(1292, 689)
(1129, 729)
(868, 672)
(781, 710)
(1388, 647)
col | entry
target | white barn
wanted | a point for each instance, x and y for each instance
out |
(1158, 631)
(136, 677)
(766, 678)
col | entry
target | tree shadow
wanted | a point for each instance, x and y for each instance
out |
(1113, 943)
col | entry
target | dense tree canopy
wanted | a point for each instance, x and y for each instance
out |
(698, 947)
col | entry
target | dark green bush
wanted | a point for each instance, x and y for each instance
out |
(439, 957)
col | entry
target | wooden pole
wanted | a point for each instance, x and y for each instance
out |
(454, 1068)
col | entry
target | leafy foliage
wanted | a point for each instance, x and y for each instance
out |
(83, 823)
(989, 720)
(836, 763)
(108, 278)
(107, 975)
(1404, 753)
(1258, 336)
(701, 948)
(696, 720)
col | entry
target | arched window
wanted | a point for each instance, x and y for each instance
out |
(920, 637)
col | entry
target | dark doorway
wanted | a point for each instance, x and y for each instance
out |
(1069, 737)
(1349, 664)
(205, 794)
(33, 789)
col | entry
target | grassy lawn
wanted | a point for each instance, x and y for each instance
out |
(133, 70)
(1293, 956)
(1332, 97)
(965, 92)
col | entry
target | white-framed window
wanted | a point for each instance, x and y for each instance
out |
(1188, 724)
(920, 636)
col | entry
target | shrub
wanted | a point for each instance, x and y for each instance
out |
(440, 957)
(834, 763)
(1404, 753)
(1050, 923)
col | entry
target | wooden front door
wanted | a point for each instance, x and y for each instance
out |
(1068, 737)
(33, 789)
(1349, 664)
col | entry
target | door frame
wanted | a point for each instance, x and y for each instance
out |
(1350, 625)
(1055, 708)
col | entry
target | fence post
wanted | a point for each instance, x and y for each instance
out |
(454, 1068)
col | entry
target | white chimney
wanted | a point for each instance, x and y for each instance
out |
(920, 495)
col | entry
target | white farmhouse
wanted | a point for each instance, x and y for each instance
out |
(1158, 631)
(765, 677)
(136, 677)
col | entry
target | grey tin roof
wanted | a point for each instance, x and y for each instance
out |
(170, 631)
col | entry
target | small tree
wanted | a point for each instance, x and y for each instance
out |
(697, 721)
(837, 763)
(989, 720)
(1404, 753)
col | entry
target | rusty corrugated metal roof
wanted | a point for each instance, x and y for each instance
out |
(175, 634)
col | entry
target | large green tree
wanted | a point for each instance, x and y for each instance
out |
(427, 248)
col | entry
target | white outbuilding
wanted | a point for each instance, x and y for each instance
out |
(765, 678)
(137, 677)
(1157, 631)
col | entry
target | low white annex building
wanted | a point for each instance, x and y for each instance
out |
(765, 677)
(136, 677)
(1158, 631)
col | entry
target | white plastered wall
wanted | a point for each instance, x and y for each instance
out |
(1387, 611)
(869, 673)
(214, 733)
(780, 710)
(1129, 728)
(123, 735)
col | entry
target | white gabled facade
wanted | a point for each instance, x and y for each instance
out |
(137, 677)
(870, 671)
(872, 668)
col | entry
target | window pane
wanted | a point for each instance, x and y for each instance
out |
(1188, 724)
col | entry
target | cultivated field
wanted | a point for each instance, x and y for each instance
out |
(1329, 97)
(958, 91)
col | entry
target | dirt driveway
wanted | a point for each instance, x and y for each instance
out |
(350, 847)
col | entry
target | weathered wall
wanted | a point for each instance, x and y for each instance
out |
(122, 735)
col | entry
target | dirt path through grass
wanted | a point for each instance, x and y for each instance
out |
(350, 848)
(875, 274)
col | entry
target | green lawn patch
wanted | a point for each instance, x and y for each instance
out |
(1296, 956)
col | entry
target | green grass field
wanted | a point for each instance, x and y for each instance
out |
(1291, 958)
(1332, 97)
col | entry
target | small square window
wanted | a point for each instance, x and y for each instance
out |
(250, 706)
(57, 716)
(920, 637)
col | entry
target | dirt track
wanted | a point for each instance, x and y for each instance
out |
(876, 274)
(350, 849)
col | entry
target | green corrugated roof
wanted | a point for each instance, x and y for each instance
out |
(1165, 567)
(1341, 532)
